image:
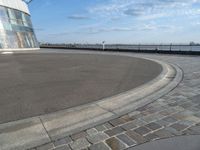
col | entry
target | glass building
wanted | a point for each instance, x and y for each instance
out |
(16, 30)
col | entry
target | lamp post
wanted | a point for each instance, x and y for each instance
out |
(103, 45)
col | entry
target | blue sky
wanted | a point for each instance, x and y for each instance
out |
(116, 21)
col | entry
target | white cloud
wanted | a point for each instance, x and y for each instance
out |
(143, 8)
(96, 29)
(196, 23)
(78, 17)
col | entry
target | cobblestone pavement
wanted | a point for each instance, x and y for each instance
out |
(177, 113)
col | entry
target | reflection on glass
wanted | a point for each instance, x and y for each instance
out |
(16, 30)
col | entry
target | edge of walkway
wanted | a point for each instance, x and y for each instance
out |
(31, 132)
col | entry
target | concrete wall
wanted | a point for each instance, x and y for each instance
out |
(15, 4)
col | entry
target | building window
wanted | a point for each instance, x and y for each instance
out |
(16, 30)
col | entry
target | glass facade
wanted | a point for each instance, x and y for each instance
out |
(16, 30)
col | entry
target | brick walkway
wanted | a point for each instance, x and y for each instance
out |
(177, 113)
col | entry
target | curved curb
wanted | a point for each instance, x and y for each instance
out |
(39, 130)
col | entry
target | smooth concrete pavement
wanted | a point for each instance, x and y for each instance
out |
(36, 84)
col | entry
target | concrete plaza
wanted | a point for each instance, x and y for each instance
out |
(175, 114)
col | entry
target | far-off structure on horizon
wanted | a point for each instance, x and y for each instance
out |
(16, 30)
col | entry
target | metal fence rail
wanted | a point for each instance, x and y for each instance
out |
(120, 47)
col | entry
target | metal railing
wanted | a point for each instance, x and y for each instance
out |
(173, 48)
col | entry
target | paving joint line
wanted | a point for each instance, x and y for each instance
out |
(45, 130)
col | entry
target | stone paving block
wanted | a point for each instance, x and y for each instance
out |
(160, 104)
(196, 99)
(101, 128)
(139, 122)
(148, 112)
(141, 108)
(63, 147)
(145, 113)
(178, 126)
(168, 96)
(127, 140)
(114, 131)
(173, 104)
(188, 94)
(115, 144)
(193, 130)
(76, 136)
(150, 118)
(198, 107)
(134, 113)
(190, 132)
(162, 123)
(193, 109)
(68, 139)
(186, 105)
(168, 111)
(92, 131)
(153, 126)
(136, 137)
(99, 146)
(177, 109)
(60, 142)
(142, 130)
(129, 125)
(108, 125)
(170, 119)
(80, 144)
(45, 147)
(163, 133)
(151, 137)
(152, 109)
(173, 131)
(182, 101)
(197, 114)
(193, 118)
(183, 114)
(116, 122)
(126, 118)
(95, 138)
(137, 116)
(165, 112)
(187, 122)
(158, 109)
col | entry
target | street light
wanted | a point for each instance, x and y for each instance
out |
(103, 44)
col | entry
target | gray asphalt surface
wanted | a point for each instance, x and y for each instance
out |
(36, 84)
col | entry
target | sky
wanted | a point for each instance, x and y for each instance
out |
(116, 21)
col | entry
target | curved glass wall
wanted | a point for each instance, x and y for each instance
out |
(16, 30)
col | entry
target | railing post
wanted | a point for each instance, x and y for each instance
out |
(103, 44)
(170, 49)
(139, 47)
